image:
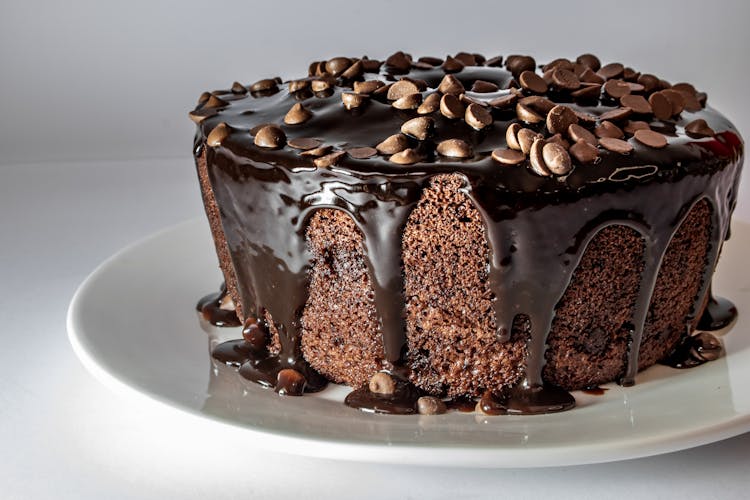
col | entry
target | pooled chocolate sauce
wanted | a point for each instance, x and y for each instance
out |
(594, 391)
(519, 400)
(537, 227)
(403, 401)
(211, 310)
(694, 350)
(719, 313)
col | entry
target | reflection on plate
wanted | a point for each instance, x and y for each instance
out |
(133, 324)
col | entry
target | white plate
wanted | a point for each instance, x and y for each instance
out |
(133, 324)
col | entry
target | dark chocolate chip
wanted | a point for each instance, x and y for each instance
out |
(238, 88)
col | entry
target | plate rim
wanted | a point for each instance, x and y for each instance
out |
(623, 448)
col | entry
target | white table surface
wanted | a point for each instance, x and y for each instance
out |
(64, 435)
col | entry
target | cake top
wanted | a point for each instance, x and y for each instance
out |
(558, 126)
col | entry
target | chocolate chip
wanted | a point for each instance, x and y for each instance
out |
(616, 145)
(354, 71)
(290, 382)
(430, 405)
(337, 65)
(353, 100)
(205, 96)
(541, 105)
(649, 82)
(401, 88)
(467, 99)
(198, 115)
(452, 65)
(586, 118)
(532, 82)
(635, 87)
(484, 87)
(660, 106)
(218, 134)
(455, 148)
(297, 114)
(616, 114)
(368, 87)
(254, 131)
(630, 74)
(420, 128)
(215, 102)
(494, 62)
(329, 159)
(466, 58)
(432, 61)
(451, 85)
(616, 88)
(370, 65)
(556, 158)
(477, 117)
(504, 101)
(611, 70)
(270, 137)
(304, 143)
(584, 152)
(558, 139)
(411, 101)
(631, 126)
(588, 91)
(297, 85)
(317, 152)
(362, 153)
(511, 136)
(637, 103)
(526, 138)
(565, 79)
(430, 104)
(608, 129)
(559, 63)
(699, 128)
(650, 138)
(238, 88)
(398, 62)
(578, 133)
(527, 114)
(393, 144)
(264, 85)
(588, 76)
(406, 157)
(321, 84)
(508, 156)
(590, 61)
(451, 107)
(675, 99)
(536, 158)
(518, 64)
(560, 118)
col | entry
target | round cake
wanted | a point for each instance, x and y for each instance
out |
(463, 228)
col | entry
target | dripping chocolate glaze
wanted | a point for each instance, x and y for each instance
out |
(537, 227)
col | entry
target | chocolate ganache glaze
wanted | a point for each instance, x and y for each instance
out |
(549, 156)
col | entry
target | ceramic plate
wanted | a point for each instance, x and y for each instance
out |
(134, 326)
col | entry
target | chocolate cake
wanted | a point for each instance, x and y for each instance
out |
(461, 228)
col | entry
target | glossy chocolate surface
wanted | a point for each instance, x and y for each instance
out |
(537, 227)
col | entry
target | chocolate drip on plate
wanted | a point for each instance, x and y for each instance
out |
(212, 311)
(718, 314)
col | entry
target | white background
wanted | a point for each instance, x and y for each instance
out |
(95, 153)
